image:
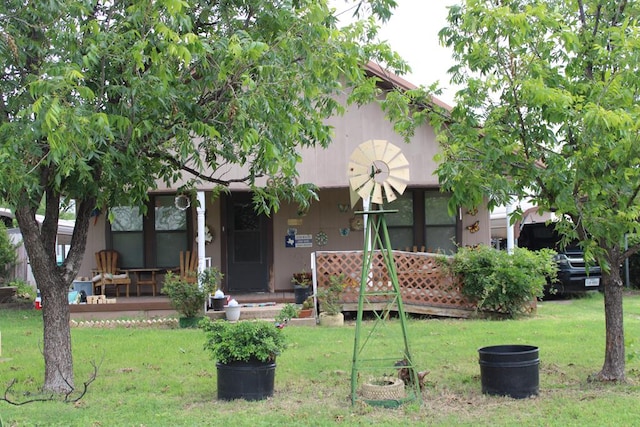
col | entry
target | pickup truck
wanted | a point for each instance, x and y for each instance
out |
(573, 274)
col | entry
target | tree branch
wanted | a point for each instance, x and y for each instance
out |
(52, 397)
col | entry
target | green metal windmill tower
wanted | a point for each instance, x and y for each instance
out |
(381, 353)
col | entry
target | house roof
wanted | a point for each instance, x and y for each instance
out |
(394, 80)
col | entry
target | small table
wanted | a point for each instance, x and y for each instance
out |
(145, 277)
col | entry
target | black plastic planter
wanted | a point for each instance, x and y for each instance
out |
(301, 293)
(251, 380)
(510, 370)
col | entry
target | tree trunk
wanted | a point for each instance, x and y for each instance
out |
(53, 282)
(58, 361)
(614, 358)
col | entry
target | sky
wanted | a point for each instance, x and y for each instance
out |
(413, 33)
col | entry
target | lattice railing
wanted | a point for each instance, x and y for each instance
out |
(423, 281)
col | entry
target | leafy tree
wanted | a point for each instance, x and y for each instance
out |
(101, 99)
(550, 113)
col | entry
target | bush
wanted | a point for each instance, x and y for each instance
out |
(243, 341)
(499, 281)
(330, 297)
(188, 298)
(8, 255)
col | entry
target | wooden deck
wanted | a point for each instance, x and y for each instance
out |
(258, 305)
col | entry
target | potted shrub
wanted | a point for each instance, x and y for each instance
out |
(307, 307)
(331, 301)
(189, 298)
(245, 354)
(501, 282)
(302, 282)
(289, 311)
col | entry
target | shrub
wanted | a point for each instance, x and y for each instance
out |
(243, 341)
(188, 298)
(499, 281)
(330, 297)
(8, 255)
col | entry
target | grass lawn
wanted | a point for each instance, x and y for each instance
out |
(162, 377)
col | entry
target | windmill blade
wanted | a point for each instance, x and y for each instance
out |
(390, 153)
(398, 185)
(398, 162)
(353, 197)
(365, 190)
(388, 192)
(360, 157)
(380, 146)
(377, 194)
(357, 182)
(356, 169)
(401, 174)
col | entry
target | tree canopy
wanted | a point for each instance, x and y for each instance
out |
(101, 99)
(549, 113)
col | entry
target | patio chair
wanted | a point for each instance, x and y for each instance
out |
(109, 274)
(189, 266)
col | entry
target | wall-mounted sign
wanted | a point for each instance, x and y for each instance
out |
(298, 241)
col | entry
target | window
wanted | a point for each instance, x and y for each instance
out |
(440, 227)
(154, 240)
(400, 224)
(422, 221)
(127, 235)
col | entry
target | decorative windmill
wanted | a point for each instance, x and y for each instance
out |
(376, 165)
(377, 171)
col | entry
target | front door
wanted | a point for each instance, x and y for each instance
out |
(247, 243)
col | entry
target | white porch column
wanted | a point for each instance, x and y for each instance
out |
(510, 234)
(200, 209)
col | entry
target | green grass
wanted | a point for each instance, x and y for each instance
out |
(162, 377)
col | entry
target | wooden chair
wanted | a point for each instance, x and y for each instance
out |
(189, 266)
(109, 274)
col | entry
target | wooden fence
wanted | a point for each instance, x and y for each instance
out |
(425, 286)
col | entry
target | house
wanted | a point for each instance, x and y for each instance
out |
(22, 268)
(257, 253)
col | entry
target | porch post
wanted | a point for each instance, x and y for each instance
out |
(201, 210)
(510, 231)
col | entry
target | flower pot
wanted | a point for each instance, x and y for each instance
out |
(189, 322)
(301, 293)
(252, 380)
(509, 370)
(327, 319)
(305, 313)
(218, 304)
(232, 312)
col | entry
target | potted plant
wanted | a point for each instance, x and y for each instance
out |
(188, 298)
(307, 307)
(330, 301)
(245, 354)
(302, 285)
(289, 311)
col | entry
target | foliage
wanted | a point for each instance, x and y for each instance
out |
(25, 292)
(330, 297)
(188, 298)
(243, 341)
(501, 281)
(304, 279)
(211, 279)
(548, 113)
(308, 303)
(104, 100)
(8, 255)
(289, 311)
